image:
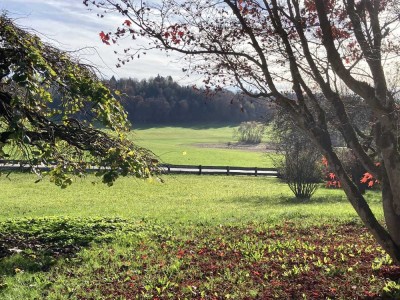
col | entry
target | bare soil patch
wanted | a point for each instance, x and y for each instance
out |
(261, 147)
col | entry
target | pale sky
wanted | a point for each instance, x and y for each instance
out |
(69, 25)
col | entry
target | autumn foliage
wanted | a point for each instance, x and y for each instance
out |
(332, 181)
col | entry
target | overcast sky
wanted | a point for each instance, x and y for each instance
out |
(70, 26)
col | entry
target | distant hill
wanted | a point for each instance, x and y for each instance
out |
(161, 100)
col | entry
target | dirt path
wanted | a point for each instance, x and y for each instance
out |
(262, 147)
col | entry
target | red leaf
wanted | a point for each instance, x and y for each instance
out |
(316, 294)
(128, 23)
(367, 176)
(181, 253)
(371, 183)
(104, 38)
(331, 175)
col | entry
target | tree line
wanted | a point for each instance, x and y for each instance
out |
(161, 100)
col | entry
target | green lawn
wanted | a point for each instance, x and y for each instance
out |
(179, 145)
(182, 198)
(192, 237)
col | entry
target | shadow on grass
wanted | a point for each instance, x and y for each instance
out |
(313, 200)
(16, 263)
(285, 201)
(195, 126)
(33, 245)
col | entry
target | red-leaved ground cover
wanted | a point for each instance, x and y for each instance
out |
(249, 262)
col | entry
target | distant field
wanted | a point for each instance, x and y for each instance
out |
(179, 145)
(193, 146)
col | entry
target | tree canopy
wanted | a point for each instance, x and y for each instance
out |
(34, 129)
(270, 49)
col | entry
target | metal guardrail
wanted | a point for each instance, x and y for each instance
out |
(18, 165)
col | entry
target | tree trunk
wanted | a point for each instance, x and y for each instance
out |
(392, 217)
(389, 241)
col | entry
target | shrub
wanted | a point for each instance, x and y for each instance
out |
(300, 162)
(301, 170)
(250, 132)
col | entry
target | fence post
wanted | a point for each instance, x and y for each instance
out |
(199, 169)
(169, 169)
(255, 171)
(227, 170)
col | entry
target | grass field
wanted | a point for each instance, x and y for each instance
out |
(181, 199)
(192, 237)
(179, 145)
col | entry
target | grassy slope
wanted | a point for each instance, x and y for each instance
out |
(169, 143)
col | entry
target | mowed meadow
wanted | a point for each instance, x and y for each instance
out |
(191, 237)
(198, 145)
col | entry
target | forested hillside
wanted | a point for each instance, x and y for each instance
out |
(161, 100)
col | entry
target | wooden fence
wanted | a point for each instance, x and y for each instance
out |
(218, 170)
(16, 165)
